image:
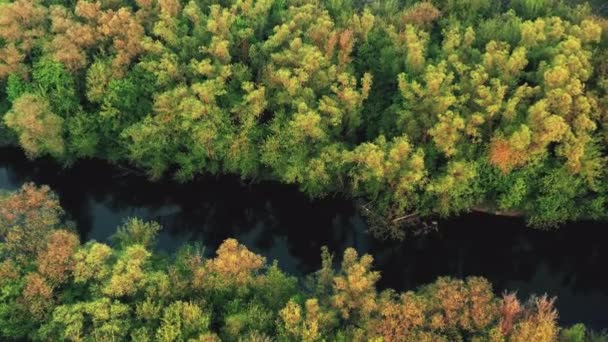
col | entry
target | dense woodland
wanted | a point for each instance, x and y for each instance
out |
(417, 108)
(53, 288)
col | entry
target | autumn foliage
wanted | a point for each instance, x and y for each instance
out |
(505, 157)
(418, 108)
(27, 217)
(127, 291)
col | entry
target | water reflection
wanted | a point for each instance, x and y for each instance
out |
(280, 223)
(567, 263)
(271, 219)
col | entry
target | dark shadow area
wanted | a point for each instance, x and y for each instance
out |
(282, 224)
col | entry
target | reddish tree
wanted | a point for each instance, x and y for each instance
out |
(56, 261)
(27, 217)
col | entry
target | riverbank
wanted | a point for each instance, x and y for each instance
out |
(279, 222)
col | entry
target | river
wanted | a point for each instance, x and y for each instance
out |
(282, 224)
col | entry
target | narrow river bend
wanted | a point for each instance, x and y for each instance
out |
(280, 223)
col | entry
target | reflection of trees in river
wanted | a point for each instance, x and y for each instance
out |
(210, 209)
(567, 262)
(501, 249)
(259, 215)
(45, 171)
(279, 222)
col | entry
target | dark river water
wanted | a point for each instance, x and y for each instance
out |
(282, 224)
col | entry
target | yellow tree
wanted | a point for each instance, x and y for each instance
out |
(40, 130)
(355, 287)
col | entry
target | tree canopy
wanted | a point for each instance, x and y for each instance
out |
(55, 288)
(419, 107)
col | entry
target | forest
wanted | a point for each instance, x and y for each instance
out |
(53, 288)
(415, 108)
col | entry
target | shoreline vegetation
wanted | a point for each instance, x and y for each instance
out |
(53, 287)
(419, 108)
